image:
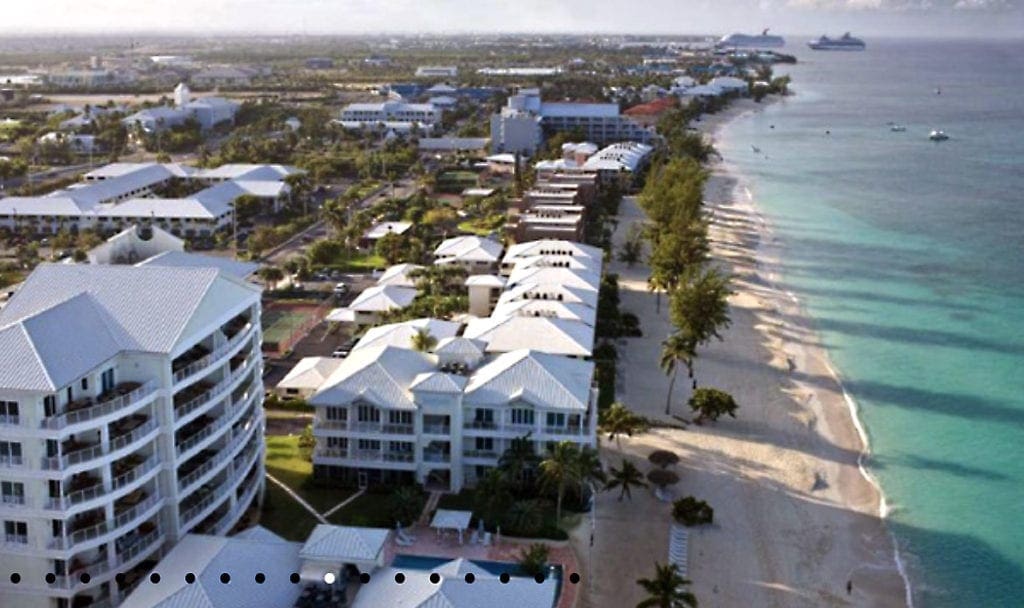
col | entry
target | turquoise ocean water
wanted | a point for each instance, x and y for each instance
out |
(909, 257)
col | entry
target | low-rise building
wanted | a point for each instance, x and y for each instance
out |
(207, 111)
(381, 230)
(437, 71)
(391, 112)
(477, 254)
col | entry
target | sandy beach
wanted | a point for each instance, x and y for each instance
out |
(796, 518)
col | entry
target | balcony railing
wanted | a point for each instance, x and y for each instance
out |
(214, 462)
(8, 419)
(218, 352)
(11, 461)
(16, 539)
(100, 409)
(436, 457)
(13, 499)
(80, 536)
(480, 453)
(437, 429)
(132, 436)
(330, 452)
(129, 515)
(563, 430)
(480, 424)
(364, 427)
(332, 425)
(190, 406)
(397, 429)
(129, 477)
(93, 452)
(74, 498)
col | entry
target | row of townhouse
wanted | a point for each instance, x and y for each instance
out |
(130, 416)
(388, 413)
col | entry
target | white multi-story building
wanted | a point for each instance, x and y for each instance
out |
(391, 112)
(389, 414)
(130, 416)
(522, 123)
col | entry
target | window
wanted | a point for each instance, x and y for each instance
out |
(10, 453)
(368, 413)
(337, 443)
(85, 384)
(554, 419)
(522, 416)
(337, 414)
(107, 380)
(400, 446)
(16, 532)
(369, 444)
(484, 416)
(399, 417)
(8, 412)
(12, 493)
(485, 444)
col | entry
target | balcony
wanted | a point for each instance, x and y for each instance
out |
(82, 487)
(74, 452)
(10, 462)
(487, 425)
(437, 429)
(195, 431)
(194, 359)
(364, 427)
(322, 452)
(129, 514)
(82, 410)
(435, 456)
(222, 348)
(397, 429)
(563, 430)
(480, 453)
(17, 500)
(130, 432)
(9, 420)
(131, 468)
(197, 395)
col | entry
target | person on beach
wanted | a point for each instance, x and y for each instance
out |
(849, 587)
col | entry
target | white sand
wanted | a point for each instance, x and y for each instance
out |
(775, 541)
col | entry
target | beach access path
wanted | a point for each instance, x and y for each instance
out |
(795, 520)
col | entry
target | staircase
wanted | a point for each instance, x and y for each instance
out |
(432, 500)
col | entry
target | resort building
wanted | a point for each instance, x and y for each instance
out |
(549, 248)
(372, 303)
(207, 111)
(437, 71)
(130, 416)
(399, 275)
(306, 377)
(477, 254)
(371, 114)
(522, 124)
(396, 415)
(119, 195)
(381, 230)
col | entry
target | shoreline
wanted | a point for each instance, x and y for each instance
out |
(769, 252)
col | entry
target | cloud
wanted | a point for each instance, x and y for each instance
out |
(903, 5)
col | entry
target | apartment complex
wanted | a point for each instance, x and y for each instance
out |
(357, 115)
(207, 111)
(523, 122)
(120, 194)
(130, 416)
(391, 414)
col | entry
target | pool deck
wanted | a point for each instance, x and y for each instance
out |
(428, 544)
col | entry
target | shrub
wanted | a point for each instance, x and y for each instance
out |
(690, 511)
(533, 560)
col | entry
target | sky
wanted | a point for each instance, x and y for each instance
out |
(924, 18)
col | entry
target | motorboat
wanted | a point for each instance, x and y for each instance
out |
(938, 135)
(897, 128)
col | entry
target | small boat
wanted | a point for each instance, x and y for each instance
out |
(938, 90)
(897, 128)
(755, 149)
(938, 135)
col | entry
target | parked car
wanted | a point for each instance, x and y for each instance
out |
(343, 351)
(340, 289)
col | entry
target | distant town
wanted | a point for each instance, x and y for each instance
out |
(315, 313)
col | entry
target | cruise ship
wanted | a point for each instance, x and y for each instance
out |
(763, 41)
(846, 43)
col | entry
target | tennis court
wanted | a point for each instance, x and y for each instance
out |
(285, 323)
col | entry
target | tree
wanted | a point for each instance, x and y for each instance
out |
(677, 348)
(633, 248)
(492, 496)
(711, 404)
(690, 511)
(519, 462)
(700, 304)
(422, 341)
(560, 469)
(625, 478)
(307, 442)
(617, 420)
(391, 247)
(525, 517)
(271, 275)
(405, 504)
(533, 560)
(668, 589)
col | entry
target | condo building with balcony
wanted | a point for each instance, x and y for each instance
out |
(130, 416)
(396, 415)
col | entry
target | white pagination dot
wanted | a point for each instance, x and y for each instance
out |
(329, 578)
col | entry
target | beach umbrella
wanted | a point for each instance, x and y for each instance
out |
(663, 458)
(662, 477)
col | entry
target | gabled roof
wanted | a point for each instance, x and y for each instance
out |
(383, 229)
(551, 247)
(485, 280)
(344, 544)
(401, 334)
(438, 382)
(574, 278)
(310, 373)
(559, 261)
(185, 259)
(546, 308)
(549, 291)
(460, 350)
(152, 305)
(207, 557)
(545, 334)
(468, 248)
(487, 590)
(545, 380)
(381, 298)
(399, 275)
(380, 375)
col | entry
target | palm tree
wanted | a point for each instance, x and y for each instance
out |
(700, 306)
(271, 275)
(492, 496)
(589, 470)
(560, 469)
(422, 341)
(668, 589)
(624, 478)
(677, 348)
(519, 462)
(525, 517)
(617, 420)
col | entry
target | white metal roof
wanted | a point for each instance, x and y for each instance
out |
(210, 556)
(310, 373)
(549, 291)
(545, 334)
(551, 247)
(185, 259)
(487, 590)
(468, 248)
(344, 544)
(399, 275)
(381, 298)
(451, 519)
(485, 280)
(385, 228)
(569, 277)
(545, 380)
(401, 334)
(380, 375)
(546, 308)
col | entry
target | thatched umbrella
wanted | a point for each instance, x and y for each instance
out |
(663, 458)
(662, 477)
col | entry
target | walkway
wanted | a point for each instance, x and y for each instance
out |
(342, 504)
(298, 499)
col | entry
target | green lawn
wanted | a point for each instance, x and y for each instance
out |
(285, 517)
(483, 226)
(287, 465)
(359, 262)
